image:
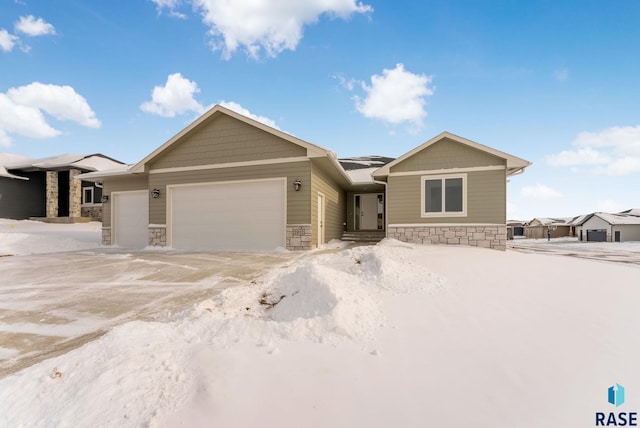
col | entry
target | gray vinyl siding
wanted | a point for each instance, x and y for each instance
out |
(223, 139)
(298, 209)
(486, 199)
(447, 154)
(334, 203)
(120, 184)
(21, 199)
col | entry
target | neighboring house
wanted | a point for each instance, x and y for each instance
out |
(515, 228)
(48, 189)
(228, 182)
(605, 227)
(575, 225)
(542, 228)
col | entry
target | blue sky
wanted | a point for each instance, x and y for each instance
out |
(554, 82)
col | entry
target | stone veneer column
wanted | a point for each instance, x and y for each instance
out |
(52, 194)
(158, 235)
(298, 237)
(486, 236)
(106, 236)
(75, 194)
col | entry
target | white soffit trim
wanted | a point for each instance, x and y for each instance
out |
(448, 171)
(229, 165)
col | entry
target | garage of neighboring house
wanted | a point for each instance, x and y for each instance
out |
(130, 217)
(606, 227)
(228, 216)
(597, 235)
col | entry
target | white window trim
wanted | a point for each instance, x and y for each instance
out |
(84, 202)
(443, 213)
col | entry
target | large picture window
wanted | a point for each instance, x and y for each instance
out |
(444, 196)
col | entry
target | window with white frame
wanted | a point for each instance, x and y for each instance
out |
(87, 195)
(444, 195)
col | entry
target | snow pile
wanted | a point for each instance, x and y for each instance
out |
(22, 237)
(325, 299)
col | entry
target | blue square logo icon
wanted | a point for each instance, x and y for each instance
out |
(616, 395)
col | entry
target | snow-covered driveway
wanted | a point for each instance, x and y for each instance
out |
(51, 303)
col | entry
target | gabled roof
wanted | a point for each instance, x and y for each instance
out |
(515, 165)
(577, 221)
(123, 169)
(93, 162)
(7, 174)
(632, 211)
(360, 169)
(614, 219)
(312, 150)
(548, 221)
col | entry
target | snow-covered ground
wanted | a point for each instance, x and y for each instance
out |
(623, 252)
(393, 335)
(34, 237)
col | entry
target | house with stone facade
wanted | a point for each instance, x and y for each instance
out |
(49, 189)
(228, 182)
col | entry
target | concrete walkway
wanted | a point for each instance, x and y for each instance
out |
(52, 303)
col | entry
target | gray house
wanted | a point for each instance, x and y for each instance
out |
(48, 189)
(228, 182)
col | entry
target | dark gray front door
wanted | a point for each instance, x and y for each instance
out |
(617, 235)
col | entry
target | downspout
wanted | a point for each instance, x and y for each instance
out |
(386, 220)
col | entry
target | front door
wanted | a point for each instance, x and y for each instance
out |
(369, 211)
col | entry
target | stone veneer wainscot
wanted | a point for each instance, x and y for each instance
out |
(486, 236)
(298, 237)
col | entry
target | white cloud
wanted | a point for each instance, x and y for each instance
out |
(613, 151)
(174, 98)
(582, 156)
(22, 120)
(31, 26)
(396, 96)
(21, 110)
(540, 191)
(171, 5)
(348, 84)
(245, 112)
(7, 40)
(61, 102)
(622, 139)
(258, 27)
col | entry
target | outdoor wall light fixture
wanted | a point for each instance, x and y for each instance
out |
(297, 184)
(155, 193)
(105, 199)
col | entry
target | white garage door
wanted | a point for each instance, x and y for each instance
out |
(238, 216)
(130, 218)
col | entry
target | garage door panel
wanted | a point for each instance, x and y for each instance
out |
(597, 235)
(131, 219)
(242, 216)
